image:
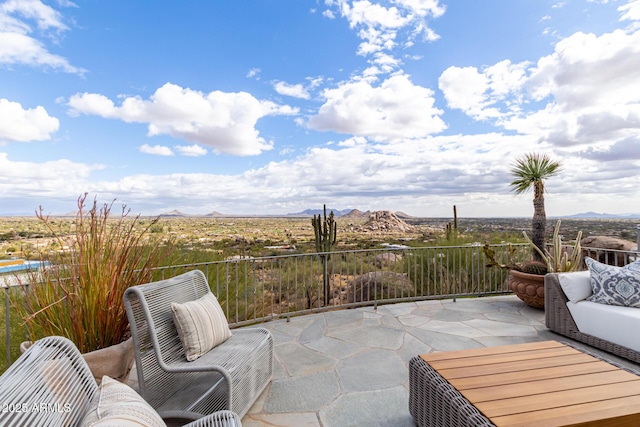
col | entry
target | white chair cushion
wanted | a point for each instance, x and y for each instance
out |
(201, 325)
(615, 285)
(117, 404)
(608, 322)
(576, 285)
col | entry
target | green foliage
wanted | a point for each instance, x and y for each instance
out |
(446, 270)
(491, 260)
(531, 170)
(559, 259)
(534, 267)
(325, 231)
(16, 328)
(452, 228)
(79, 295)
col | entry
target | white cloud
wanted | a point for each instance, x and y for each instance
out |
(582, 91)
(56, 178)
(286, 151)
(372, 15)
(220, 120)
(295, 90)
(425, 176)
(194, 150)
(395, 109)
(631, 11)
(254, 72)
(23, 125)
(480, 93)
(382, 28)
(587, 81)
(328, 14)
(17, 46)
(157, 150)
(45, 16)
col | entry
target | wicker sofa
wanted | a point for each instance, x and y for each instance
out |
(565, 292)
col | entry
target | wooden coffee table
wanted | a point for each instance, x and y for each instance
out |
(534, 384)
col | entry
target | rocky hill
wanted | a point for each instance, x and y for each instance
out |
(385, 221)
(356, 214)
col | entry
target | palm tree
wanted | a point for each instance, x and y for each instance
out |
(532, 170)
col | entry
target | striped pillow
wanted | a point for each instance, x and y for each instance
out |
(201, 325)
(117, 404)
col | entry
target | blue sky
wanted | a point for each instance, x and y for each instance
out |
(272, 106)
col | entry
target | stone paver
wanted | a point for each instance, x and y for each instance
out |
(350, 367)
(371, 370)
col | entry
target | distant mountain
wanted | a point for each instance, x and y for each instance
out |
(402, 215)
(355, 213)
(311, 212)
(173, 213)
(215, 214)
(602, 215)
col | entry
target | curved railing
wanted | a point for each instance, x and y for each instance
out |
(254, 290)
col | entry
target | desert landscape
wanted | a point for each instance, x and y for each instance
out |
(26, 237)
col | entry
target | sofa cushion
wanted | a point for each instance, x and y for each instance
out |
(608, 322)
(576, 285)
(201, 325)
(615, 285)
(117, 404)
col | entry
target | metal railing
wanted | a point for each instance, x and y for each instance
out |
(254, 290)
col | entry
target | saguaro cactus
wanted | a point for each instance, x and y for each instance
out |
(325, 232)
(452, 229)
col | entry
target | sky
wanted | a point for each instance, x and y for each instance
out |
(276, 106)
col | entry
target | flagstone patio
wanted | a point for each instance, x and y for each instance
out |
(350, 367)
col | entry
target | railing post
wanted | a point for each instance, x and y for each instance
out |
(7, 324)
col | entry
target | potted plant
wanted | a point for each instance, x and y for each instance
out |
(526, 280)
(79, 295)
(530, 172)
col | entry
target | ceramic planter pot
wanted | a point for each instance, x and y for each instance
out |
(115, 361)
(528, 287)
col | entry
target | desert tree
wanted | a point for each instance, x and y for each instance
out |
(530, 172)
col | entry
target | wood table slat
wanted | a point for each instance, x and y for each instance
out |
(491, 359)
(429, 357)
(622, 412)
(530, 375)
(519, 403)
(472, 371)
(531, 388)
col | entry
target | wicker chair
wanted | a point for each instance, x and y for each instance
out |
(230, 376)
(51, 385)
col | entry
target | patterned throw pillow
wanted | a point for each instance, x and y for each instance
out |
(201, 325)
(615, 285)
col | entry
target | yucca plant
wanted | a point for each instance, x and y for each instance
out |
(559, 260)
(530, 171)
(79, 295)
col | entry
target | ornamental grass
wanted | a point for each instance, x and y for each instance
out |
(79, 294)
